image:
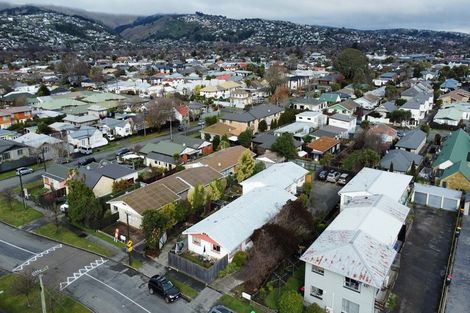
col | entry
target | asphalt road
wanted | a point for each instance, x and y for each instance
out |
(15, 181)
(101, 284)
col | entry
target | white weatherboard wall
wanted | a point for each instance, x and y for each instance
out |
(135, 219)
(208, 251)
(334, 291)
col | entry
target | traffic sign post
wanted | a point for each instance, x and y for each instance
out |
(43, 297)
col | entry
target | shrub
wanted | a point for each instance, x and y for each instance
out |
(291, 302)
(240, 258)
(314, 308)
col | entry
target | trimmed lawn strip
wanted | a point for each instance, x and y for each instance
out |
(15, 303)
(136, 139)
(18, 216)
(66, 236)
(237, 305)
(185, 289)
(101, 235)
(136, 263)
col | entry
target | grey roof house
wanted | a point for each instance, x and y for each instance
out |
(401, 159)
(412, 141)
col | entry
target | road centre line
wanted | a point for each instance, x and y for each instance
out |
(15, 246)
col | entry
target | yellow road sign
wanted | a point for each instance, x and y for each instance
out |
(129, 249)
(129, 244)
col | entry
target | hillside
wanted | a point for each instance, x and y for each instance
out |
(35, 27)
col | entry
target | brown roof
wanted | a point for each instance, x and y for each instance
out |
(220, 129)
(323, 144)
(168, 189)
(224, 159)
(457, 95)
(12, 110)
(383, 129)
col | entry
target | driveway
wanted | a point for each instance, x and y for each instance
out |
(423, 261)
(323, 197)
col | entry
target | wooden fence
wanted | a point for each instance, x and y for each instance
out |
(206, 275)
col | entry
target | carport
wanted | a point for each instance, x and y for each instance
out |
(436, 197)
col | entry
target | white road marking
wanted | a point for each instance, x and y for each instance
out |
(15, 246)
(81, 272)
(35, 257)
(117, 291)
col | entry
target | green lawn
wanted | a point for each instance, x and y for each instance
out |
(35, 188)
(12, 302)
(293, 283)
(12, 173)
(101, 235)
(112, 145)
(66, 236)
(136, 139)
(185, 289)
(237, 305)
(136, 263)
(18, 216)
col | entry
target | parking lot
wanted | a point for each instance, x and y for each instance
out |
(423, 261)
(323, 196)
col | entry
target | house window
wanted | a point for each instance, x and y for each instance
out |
(196, 241)
(349, 307)
(20, 152)
(216, 248)
(352, 284)
(318, 270)
(316, 292)
(6, 156)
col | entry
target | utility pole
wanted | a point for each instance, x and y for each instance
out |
(43, 297)
(22, 190)
(44, 160)
(129, 242)
(145, 128)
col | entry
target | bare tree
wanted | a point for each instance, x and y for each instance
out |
(276, 76)
(9, 197)
(49, 202)
(72, 67)
(24, 284)
(159, 111)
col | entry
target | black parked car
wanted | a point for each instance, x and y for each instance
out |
(322, 175)
(162, 286)
(86, 161)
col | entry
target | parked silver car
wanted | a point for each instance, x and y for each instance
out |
(333, 177)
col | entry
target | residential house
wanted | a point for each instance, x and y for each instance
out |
(316, 118)
(263, 142)
(343, 121)
(167, 190)
(12, 115)
(296, 82)
(452, 163)
(310, 104)
(12, 150)
(223, 161)
(387, 133)
(86, 136)
(111, 127)
(452, 114)
(330, 98)
(182, 113)
(84, 120)
(100, 178)
(323, 145)
(240, 98)
(243, 120)
(42, 146)
(8, 134)
(55, 178)
(331, 131)
(449, 84)
(384, 78)
(287, 176)
(219, 129)
(402, 160)
(371, 181)
(368, 101)
(163, 154)
(97, 110)
(419, 106)
(229, 229)
(455, 96)
(331, 79)
(412, 141)
(381, 114)
(349, 266)
(202, 146)
(347, 107)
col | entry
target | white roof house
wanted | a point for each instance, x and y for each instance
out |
(371, 181)
(231, 226)
(37, 140)
(284, 176)
(359, 246)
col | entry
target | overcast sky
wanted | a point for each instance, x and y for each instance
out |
(452, 15)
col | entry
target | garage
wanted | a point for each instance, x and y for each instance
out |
(436, 197)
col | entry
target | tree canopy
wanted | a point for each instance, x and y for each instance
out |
(245, 137)
(245, 166)
(84, 208)
(284, 146)
(361, 158)
(353, 64)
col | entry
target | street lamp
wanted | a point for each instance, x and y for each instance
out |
(129, 241)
